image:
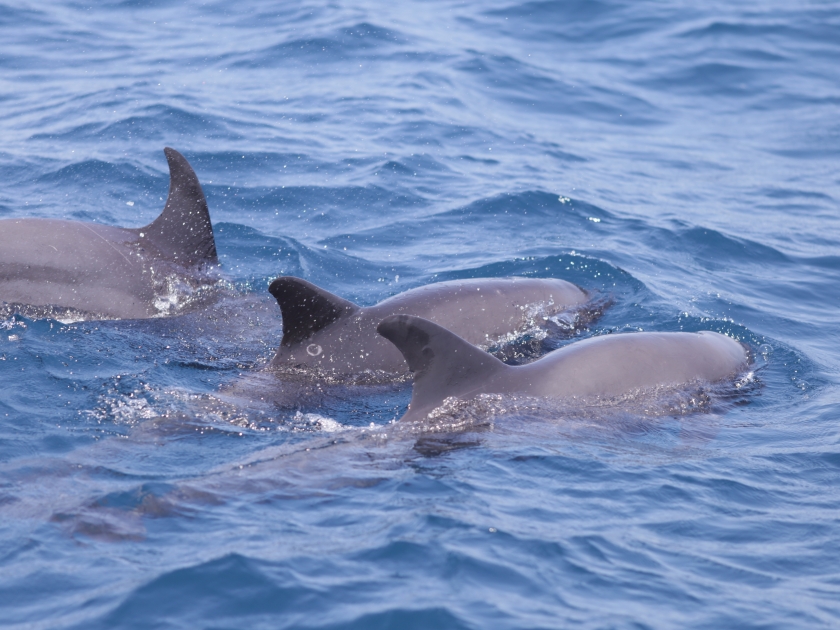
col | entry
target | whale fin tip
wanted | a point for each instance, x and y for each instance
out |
(183, 231)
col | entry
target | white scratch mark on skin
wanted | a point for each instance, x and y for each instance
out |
(109, 243)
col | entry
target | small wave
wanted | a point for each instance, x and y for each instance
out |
(177, 293)
(342, 44)
(153, 122)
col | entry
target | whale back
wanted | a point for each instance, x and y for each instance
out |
(444, 365)
(183, 232)
(90, 270)
(306, 308)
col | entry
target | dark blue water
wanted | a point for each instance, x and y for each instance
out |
(681, 159)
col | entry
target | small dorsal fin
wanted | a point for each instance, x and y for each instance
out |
(306, 308)
(443, 364)
(183, 231)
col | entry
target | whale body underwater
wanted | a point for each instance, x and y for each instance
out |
(102, 272)
(445, 365)
(326, 335)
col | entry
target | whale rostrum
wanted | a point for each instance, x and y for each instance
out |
(330, 335)
(447, 366)
(101, 271)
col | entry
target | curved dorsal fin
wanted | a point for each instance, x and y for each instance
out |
(443, 364)
(306, 308)
(183, 231)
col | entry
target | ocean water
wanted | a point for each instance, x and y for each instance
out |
(679, 160)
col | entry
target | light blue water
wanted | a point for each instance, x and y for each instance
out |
(680, 158)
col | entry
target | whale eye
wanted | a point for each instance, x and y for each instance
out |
(313, 350)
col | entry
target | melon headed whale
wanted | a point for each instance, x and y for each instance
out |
(98, 271)
(445, 365)
(330, 336)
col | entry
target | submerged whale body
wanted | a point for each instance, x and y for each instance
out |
(330, 335)
(445, 365)
(99, 271)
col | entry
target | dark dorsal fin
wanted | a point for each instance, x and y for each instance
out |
(183, 231)
(306, 308)
(443, 364)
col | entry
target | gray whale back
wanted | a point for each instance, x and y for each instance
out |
(334, 336)
(104, 271)
(445, 365)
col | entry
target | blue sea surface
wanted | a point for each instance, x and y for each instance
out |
(680, 160)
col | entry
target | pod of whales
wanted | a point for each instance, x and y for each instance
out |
(445, 365)
(332, 336)
(99, 271)
(436, 332)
